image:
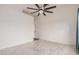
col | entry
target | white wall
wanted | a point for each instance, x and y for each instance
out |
(15, 27)
(60, 26)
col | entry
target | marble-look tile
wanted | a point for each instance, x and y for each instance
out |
(40, 47)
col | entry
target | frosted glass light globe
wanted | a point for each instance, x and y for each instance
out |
(41, 11)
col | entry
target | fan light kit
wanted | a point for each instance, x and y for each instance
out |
(41, 10)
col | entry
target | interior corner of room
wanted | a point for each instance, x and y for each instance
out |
(17, 28)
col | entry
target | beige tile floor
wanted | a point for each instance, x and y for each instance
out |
(40, 47)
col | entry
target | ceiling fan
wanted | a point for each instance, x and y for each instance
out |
(41, 9)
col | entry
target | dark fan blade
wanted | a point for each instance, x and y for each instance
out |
(26, 12)
(35, 11)
(37, 5)
(38, 14)
(45, 5)
(49, 11)
(32, 8)
(50, 7)
(44, 14)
